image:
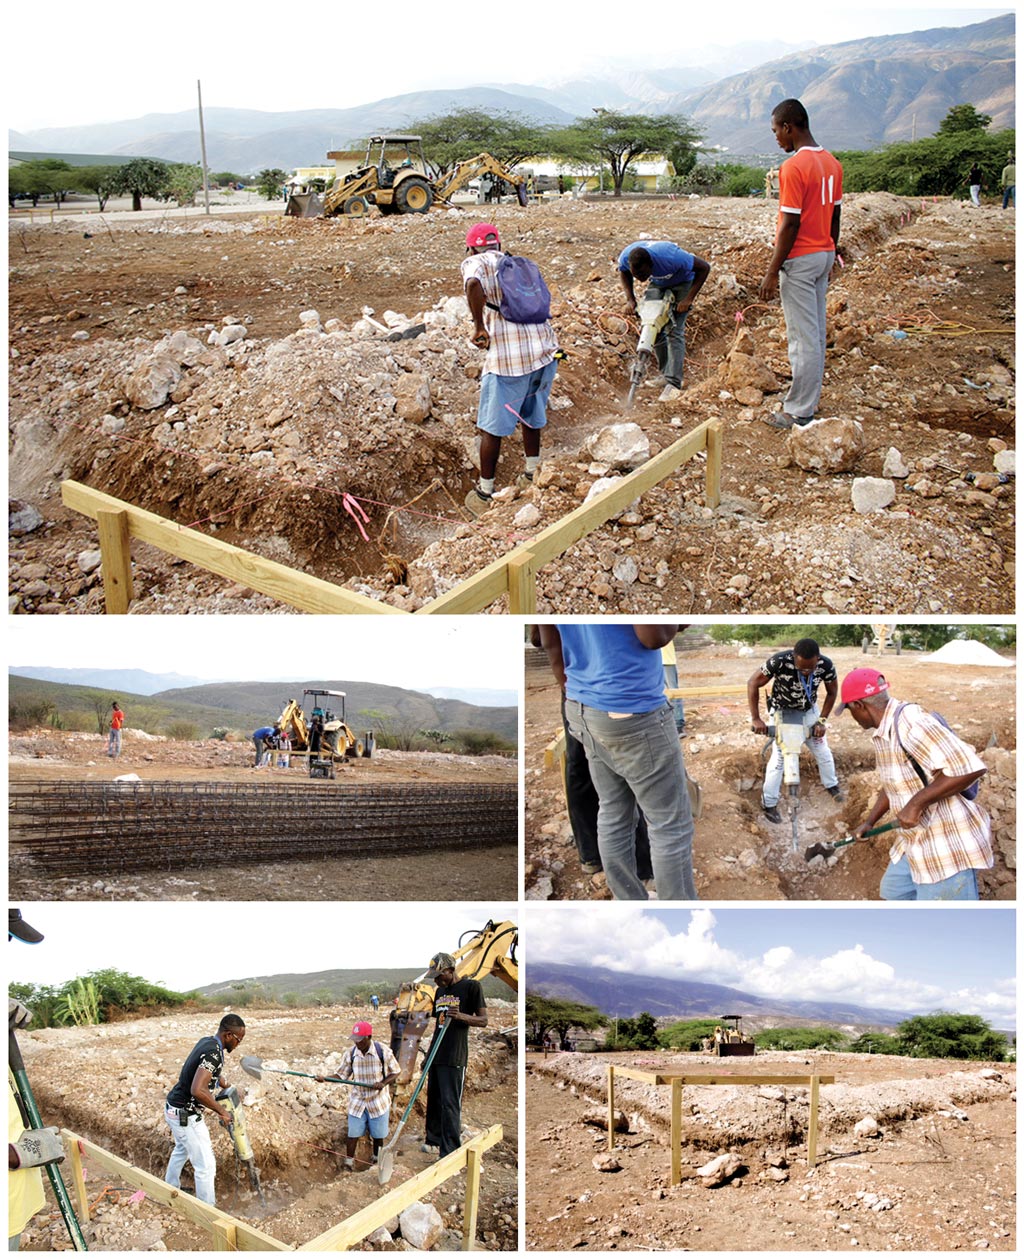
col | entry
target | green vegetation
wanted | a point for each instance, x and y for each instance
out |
(99, 180)
(874, 1043)
(45, 177)
(618, 139)
(453, 137)
(551, 1014)
(102, 996)
(946, 1035)
(636, 1033)
(141, 177)
(915, 637)
(183, 182)
(687, 1035)
(270, 182)
(186, 731)
(830, 1038)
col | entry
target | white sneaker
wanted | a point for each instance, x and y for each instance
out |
(669, 394)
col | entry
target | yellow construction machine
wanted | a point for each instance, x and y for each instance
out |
(729, 1041)
(322, 736)
(396, 179)
(488, 951)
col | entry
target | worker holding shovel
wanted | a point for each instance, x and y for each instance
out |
(458, 1006)
(373, 1066)
(929, 779)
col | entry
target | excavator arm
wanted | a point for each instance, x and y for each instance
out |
(462, 172)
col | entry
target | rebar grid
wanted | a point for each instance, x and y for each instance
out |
(104, 828)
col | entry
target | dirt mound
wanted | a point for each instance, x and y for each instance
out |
(969, 651)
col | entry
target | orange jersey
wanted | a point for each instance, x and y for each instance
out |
(116, 719)
(811, 185)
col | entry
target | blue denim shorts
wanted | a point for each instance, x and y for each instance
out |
(378, 1127)
(505, 400)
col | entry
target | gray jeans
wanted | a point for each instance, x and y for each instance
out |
(670, 347)
(633, 761)
(803, 284)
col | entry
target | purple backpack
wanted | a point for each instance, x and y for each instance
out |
(524, 295)
(968, 793)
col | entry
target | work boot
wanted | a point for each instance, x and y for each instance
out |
(591, 867)
(350, 1165)
(670, 393)
(524, 480)
(836, 792)
(779, 419)
(477, 501)
(771, 812)
(426, 1148)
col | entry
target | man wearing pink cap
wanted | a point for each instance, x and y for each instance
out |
(518, 370)
(925, 771)
(368, 1062)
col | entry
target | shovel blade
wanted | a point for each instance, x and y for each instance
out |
(251, 1066)
(385, 1166)
(818, 850)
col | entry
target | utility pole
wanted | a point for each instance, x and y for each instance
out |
(202, 148)
(913, 127)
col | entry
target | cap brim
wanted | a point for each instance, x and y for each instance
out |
(25, 932)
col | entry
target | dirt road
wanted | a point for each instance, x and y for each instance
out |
(940, 1177)
(114, 382)
(738, 854)
(108, 1084)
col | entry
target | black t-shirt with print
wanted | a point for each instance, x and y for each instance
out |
(464, 995)
(208, 1053)
(788, 688)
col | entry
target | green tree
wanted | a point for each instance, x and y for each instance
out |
(226, 177)
(688, 1034)
(553, 1014)
(79, 1003)
(452, 137)
(270, 182)
(183, 182)
(141, 177)
(483, 743)
(963, 118)
(99, 702)
(44, 177)
(800, 1038)
(875, 1043)
(186, 731)
(99, 180)
(948, 1035)
(640, 1032)
(618, 139)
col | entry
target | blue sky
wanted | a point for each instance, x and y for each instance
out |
(142, 61)
(915, 959)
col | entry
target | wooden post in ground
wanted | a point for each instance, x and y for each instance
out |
(611, 1107)
(469, 1212)
(522, 585)
(812, 1128)
(676, 1132)
(224, 1236)
(713, 470)
(78, 1177)
(116, 557)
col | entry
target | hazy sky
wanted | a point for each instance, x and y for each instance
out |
(122, 60)
(224, 941)
(917, 959)
(411, 652)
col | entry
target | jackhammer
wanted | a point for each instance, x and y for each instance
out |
(244, 1155)
(788, 735)
(653, 313)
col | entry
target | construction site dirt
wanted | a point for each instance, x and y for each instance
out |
(224, 374)
(284, 853)
(108, 1084)
(939, 1174)
(737, 853)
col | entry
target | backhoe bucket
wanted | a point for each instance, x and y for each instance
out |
(304, 205)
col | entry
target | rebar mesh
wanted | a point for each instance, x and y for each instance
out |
(105, 828)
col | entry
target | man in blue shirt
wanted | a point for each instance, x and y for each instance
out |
(615, 705)
(261, 737)
(664, 267)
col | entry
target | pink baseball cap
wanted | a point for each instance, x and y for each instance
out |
(859, 685)
(478, 235)
(361, 1031)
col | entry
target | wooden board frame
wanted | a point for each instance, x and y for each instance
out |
(229, 1233)
(676, 1080)
(513, 574)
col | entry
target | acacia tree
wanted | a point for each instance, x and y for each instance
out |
(551, 1014)
(450, 138)
(44, 177)
(618, 139)
(183, 182)
(141, 177)
(963, 118)
(947, 1035)
(99, 180)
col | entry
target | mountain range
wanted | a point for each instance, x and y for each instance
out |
(337, 983)
(860, 94)
(621, 995)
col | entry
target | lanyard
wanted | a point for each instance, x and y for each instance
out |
(809, 686)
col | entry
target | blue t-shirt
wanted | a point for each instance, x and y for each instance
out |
(608, 668)
(263, 732)
(673, 267)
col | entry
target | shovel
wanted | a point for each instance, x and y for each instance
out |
(386, 1157)
(253, 1066)
(826, 850)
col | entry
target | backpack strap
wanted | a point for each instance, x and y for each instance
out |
(896, 727)
(380, 1055)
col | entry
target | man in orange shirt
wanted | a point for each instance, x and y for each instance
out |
(116, 722)
(810, 195)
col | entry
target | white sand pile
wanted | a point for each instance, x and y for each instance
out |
(969, 651)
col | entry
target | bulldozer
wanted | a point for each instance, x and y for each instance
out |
(729, 1041)
(396, 178)
(323, 737)
(489, 951)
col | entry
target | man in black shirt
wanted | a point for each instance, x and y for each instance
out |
(795, 676)
(459, 1002)
(184, 1109)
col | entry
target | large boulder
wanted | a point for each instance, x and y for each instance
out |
(748, 371)
(719, 1170)
(597, 1117)
(151, 382)
(872, 493)
(412, 396)
(828, 445)
(421, 1225)
(619, 446)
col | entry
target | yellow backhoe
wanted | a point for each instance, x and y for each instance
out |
(323, 737)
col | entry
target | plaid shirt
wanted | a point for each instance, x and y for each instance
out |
(953, 834)
(516, 348)
(368, 1069)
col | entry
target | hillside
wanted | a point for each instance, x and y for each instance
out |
(336, 983)
(245, 705)
(133, 681)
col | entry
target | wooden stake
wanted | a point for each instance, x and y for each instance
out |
(812, 1124)
(78, 1178)
(522, 585)
(677, 1132)
(472, 1203)
(713, 471)
(116, 555)
(611, 1107)
(224, 1236)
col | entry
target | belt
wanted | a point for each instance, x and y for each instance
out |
(181, 1110)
